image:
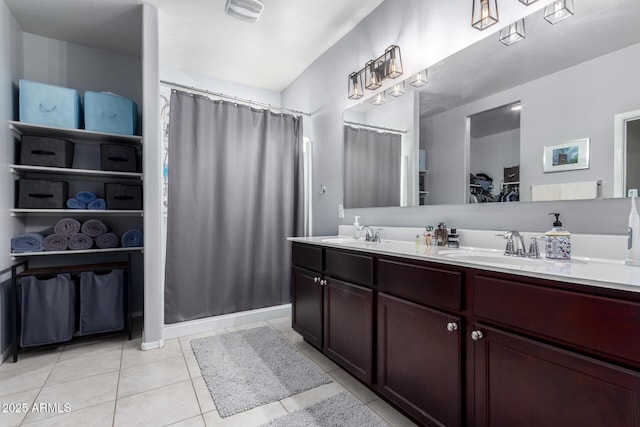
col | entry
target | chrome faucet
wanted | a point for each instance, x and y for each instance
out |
(515, 243)
(371, 234)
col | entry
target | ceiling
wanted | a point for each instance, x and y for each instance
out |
(198, 36)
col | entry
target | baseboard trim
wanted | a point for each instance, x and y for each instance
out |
(6, 353)
(151, 345)
(225, 321)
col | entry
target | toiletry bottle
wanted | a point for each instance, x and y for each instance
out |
(557, 241)
(356, 228)
(428, 235)
(633, 242)
(441, 234)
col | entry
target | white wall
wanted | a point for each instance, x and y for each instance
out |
(10, 71)
(427, 31)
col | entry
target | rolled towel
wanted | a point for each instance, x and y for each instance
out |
(98, 205)
(107, 240)
(80, 241)
(86, 197)
(29, 242)
(74, 203)
(67, 226)
(55, 242)
(93, 228)
(132, 238)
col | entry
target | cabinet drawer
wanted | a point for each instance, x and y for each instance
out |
(421, 284)
(307, 256)
(605, 325)
(349, 266)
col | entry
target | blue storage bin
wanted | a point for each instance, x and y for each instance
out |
(49, 105)
(105, 112)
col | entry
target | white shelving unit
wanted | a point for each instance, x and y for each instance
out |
(23, 170)
(74, 212)
(85, 251)
(77, 135)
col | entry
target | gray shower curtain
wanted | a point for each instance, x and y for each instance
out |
(371, 168)
(235, 195)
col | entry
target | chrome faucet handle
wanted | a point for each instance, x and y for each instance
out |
(509, 249)
(376, 234)
(534, 251)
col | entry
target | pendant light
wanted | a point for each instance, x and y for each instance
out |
(484, 14)
(527, 2)
(355, 86)
(512, 33)
(558, 11)
(419, 79)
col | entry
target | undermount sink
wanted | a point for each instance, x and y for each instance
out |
(348, 241)
(492, 258)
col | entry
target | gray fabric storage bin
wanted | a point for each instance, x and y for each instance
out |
(41, 194)
(46, 151)
(47, 310)
(101, 302)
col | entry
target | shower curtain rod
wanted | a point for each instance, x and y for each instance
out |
(233, 98)
(375, 127)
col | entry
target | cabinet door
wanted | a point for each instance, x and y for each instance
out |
(419, 360)
(522, 382)
(307, 301)
(348, 330)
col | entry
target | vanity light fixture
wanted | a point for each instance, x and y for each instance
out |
(527, 2)
(397, 89)
(558, 11)
(512, 33)
(372, 75)
(419, 79)
(355, 86)
(484, 13)
(387, 65)
(379, 99)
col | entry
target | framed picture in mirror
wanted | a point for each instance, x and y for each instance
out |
(567, 156)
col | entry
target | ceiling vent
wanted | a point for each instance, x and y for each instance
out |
(246, 10)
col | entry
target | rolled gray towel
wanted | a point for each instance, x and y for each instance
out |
(66, 227)
(93, 228)
(55, 242)
(80, 241)
(107, 240)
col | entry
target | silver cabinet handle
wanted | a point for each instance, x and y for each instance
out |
(452, 326)
(316, 279)
(323, 282)
(476, 335)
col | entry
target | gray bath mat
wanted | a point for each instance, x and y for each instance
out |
(251, 368)
(342, 410)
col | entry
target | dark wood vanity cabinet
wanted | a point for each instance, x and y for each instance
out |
(418, 360)
(455, 346)
(307, 296)
(523, 382)
(308, 305)
(333, 305)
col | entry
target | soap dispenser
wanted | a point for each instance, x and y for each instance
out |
(557, 241)
(633, 240)
(356, 228)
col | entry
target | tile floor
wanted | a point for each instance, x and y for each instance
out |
(111, 382)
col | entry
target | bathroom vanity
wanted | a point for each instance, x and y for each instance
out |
(461, 337)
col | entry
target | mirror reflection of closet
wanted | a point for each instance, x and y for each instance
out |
(494, 154)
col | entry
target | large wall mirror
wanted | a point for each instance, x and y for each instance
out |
(531, 121)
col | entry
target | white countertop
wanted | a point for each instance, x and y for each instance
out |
(604, 273)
